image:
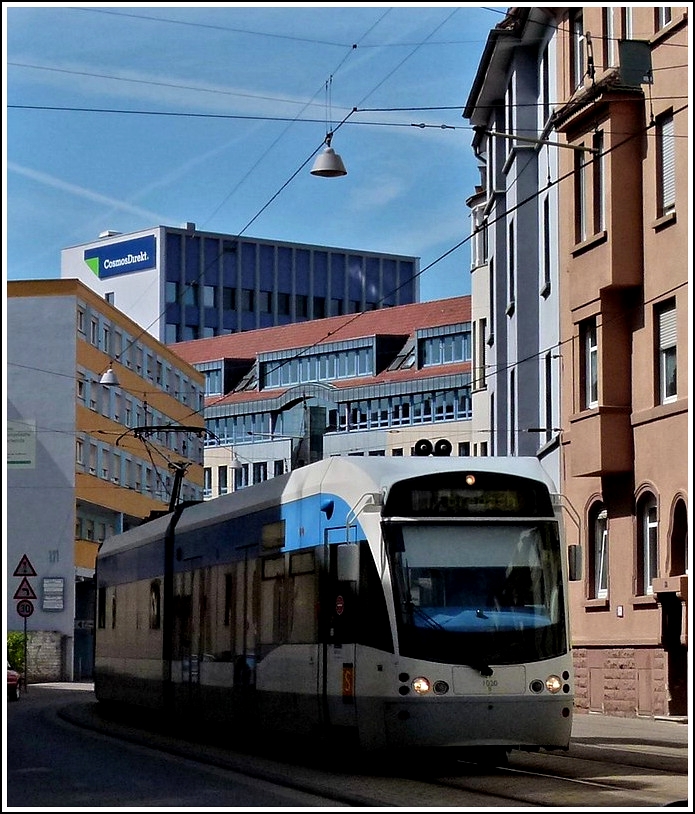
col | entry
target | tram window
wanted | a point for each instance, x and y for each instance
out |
(302, 563)
(302, 621)
(374, 629)
(101, 608)
(273, 534)
(155, 605)
(228, 593)
(273, 567)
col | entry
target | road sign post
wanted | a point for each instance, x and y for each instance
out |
(25, 607)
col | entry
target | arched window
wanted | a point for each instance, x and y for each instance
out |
(598, 551)
(679, 540)
(647, 544)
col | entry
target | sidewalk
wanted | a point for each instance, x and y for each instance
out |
(655, 743)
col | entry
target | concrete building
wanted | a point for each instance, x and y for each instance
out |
(182, 283)
(515, 261)
(373, 383)
(583, 134)
(77, 467)
(624, 237)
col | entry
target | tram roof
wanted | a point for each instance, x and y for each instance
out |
(347, 476)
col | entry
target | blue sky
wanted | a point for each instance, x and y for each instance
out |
(128, 116)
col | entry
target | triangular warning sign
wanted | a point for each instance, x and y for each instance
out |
(25, 591)
(25, 568)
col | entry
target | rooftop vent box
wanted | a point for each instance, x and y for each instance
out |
(109, 233)
(188, 226)
(635, 62)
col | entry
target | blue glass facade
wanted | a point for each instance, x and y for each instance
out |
(217, 284)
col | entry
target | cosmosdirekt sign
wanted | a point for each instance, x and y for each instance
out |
(121, 258)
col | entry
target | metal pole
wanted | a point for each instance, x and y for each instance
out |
(24, 672)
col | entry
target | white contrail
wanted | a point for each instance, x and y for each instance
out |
(81, 192)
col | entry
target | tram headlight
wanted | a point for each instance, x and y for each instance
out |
(421, 685)
(553, 684)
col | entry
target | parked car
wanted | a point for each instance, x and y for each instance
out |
(14, 680)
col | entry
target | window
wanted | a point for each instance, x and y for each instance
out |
(213, 381)
(512, 412)
(666, 353)
(241, 477)
(662, 17)
(171, 291)
(599, 210)
(609, 39)
(580, 227)
(479, 245)
(207, 482)
(228, 299)
(509, 116)
(548, 365)
(546, 238)
(94, 332)
(647, 551)
(209, 299)
(221, 480)
(626, 23)
(589, 364)
(577, 48)
(248, 300)
(545, 87)
(171, 333)
(79, 451)
(666, 166)
(598, 552)
(265, 302)
(301, 304)
(319, 304)
(189, 295)
(511, 265)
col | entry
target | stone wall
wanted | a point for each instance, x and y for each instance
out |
(623, 682)
(45, 656)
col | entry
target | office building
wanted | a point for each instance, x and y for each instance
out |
(373, 383)
(81, 461)
(182, 283)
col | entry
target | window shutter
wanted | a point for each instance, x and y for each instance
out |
(667, 329)
(668, 166)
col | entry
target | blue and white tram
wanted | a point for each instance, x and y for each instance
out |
(389, 602)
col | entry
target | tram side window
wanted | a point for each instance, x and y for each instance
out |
(155, 605)
(101, 608)
(373, 623)
(272, 627)
(302, 627)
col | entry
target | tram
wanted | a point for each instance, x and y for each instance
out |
(388, 603)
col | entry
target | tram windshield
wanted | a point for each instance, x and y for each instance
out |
(477, 594)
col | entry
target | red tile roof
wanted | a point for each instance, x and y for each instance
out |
(385, 377)
(401, 320)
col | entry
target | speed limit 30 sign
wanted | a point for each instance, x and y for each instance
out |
(25, 607)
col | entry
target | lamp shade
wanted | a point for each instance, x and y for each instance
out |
(329, 164)
(109, 378)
